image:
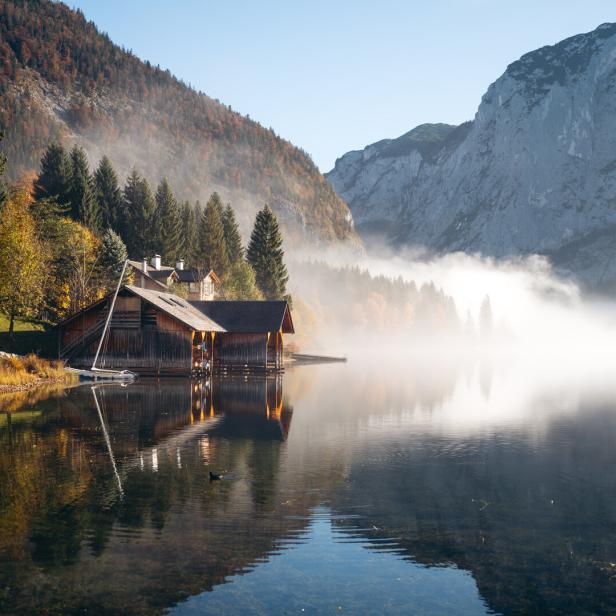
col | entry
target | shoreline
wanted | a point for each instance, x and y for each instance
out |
(40, 382)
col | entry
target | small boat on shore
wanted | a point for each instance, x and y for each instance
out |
(101, 374)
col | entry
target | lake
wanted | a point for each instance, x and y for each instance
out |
(443, 486)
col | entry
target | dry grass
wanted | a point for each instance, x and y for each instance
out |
(28, 370)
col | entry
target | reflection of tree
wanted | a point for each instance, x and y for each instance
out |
(173, 533)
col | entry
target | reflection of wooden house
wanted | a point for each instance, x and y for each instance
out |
(153, 332)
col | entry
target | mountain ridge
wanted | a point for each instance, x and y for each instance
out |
(62, 79)
(533, 172)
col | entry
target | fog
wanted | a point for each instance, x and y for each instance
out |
(538, 317)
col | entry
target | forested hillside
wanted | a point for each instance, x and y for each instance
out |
(63, 80)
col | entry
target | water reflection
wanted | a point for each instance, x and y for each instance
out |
(452, 488)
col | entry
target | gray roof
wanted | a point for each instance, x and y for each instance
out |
(252, 317)
(178, 308)
(163, 272)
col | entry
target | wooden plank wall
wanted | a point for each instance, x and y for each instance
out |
(241, 349)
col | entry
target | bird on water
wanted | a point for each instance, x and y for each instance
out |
(215, 477)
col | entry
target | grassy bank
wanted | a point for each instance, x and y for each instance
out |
(20, 373)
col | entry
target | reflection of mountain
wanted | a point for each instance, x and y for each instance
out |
(535, 525)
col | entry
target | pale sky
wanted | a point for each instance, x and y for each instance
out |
(333, 76)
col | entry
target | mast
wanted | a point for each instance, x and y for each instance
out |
(115, 295)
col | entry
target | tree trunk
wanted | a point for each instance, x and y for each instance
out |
(12, 326)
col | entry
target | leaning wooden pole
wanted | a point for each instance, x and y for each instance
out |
(108, 319)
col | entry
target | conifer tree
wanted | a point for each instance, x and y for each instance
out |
(189, 233)
(167, 224)
(113, 254)
(216, 201)
(54, 178)
(108, 194)
(212, 247)
(138, 211)
(265, 254)
(233, 239)
(84, 206)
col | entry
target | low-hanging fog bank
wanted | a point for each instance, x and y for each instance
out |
(398, 302)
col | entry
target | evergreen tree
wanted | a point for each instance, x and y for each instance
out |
(212, 247)
(233, 239)
(265, 254)
(108, 194)
(139, 208)
(113, 254)
(216, 201)
(189, 233)
(84, 206)
(167, 224)
(54, 177)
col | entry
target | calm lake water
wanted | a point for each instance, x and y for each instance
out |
(444, 487)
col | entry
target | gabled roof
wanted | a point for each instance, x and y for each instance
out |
(194, 275)
(178, 308)
(163, 272)
(254, 317)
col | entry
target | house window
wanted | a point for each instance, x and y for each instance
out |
(194, 287)
(208, 287)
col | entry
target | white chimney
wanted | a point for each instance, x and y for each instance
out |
(156, 262)
(144, 265)
(180, 265)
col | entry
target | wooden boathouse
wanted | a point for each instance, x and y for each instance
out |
(153, 332)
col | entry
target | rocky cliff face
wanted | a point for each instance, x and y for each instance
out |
(535, 172)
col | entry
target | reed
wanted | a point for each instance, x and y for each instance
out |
(28, 370)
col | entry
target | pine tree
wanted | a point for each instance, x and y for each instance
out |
(54, 178)
(189, 233)
(233, 239)
(216, 201)
(212, 247)
(84, 206)
(108, 194)
(167, 224)
(113, 254)
(265, 254)
(139, 208)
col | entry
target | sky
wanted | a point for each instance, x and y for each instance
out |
(336, 75)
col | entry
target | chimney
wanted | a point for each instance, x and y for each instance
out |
(156, 262)
(144, 265)
(180, 265)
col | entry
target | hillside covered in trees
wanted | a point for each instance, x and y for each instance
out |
(61, 80)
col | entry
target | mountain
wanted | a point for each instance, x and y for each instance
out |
(60, 78)
(534, 172)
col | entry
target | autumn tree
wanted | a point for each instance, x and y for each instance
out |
(108, 195)
(139, 207)
(84, 206)
(21, 267)
(212, 247)
(53, 181)
(3, 191)
(265, 254)
(167, 224)
(240, 282)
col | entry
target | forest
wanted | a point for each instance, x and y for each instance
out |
(66, 232)
(61, 80)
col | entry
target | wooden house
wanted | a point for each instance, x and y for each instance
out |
(154, 332)
(154, 275)
(198, 285)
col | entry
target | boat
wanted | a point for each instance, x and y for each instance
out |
(103, 374)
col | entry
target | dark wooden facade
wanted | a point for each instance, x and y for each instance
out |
(154, 332)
